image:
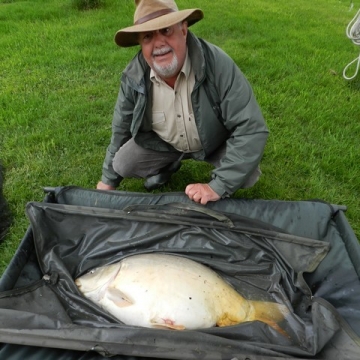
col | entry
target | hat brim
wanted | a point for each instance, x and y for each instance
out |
(129, 36)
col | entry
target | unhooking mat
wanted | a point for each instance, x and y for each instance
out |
(301, 254)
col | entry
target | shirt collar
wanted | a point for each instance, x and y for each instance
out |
(186, 68)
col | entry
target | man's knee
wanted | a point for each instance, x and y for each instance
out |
(123, 166)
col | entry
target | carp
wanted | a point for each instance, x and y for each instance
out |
(173, 292)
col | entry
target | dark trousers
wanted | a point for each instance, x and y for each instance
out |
(134, 161)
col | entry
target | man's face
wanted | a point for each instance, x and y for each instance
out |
(165, 50)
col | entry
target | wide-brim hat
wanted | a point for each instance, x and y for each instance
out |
(151, 15)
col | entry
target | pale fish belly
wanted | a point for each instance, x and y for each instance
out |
(167, 291)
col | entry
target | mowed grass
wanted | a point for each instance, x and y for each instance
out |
(59, 78)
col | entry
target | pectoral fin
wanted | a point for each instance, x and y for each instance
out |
(118, 297)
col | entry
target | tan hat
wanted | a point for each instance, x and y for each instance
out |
(151, 15)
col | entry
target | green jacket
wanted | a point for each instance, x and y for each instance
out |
(219, 85)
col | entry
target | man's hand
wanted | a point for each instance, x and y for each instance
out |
(201, 193)
(102, 186)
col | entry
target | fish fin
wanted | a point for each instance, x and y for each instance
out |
(270, 313)
(228, 319)
(118, 297)
(276, 327)
(166, 324)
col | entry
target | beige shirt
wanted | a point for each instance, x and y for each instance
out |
(172, 114)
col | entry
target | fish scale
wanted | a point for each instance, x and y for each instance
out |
(173, 292)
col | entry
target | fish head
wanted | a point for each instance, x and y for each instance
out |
(96, 281)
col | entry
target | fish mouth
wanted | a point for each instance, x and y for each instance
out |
(102, 287)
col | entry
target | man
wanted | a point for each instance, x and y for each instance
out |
(182, 98)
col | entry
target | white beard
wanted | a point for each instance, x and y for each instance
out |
(167, 70)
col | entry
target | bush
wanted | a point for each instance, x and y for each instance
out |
(87, 4)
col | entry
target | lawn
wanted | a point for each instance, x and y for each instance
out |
(59, 78)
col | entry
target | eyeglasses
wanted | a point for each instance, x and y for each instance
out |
(147, 37)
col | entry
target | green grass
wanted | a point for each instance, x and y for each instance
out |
(59, 79)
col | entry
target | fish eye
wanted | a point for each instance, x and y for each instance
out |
(92, 271)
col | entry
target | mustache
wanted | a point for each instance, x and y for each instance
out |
(162, 51)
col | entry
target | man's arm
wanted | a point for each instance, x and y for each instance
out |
(122, 118)
(243, 118)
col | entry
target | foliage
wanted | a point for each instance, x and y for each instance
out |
(87, 4)
(60, 72)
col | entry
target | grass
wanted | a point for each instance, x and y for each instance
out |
(59, 78)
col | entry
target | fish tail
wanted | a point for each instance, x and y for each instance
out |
(270, 313)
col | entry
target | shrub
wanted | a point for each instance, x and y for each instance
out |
(87, 4)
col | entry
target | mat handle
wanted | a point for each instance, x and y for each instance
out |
(185, 206)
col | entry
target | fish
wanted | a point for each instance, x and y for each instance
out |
(173, 292)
